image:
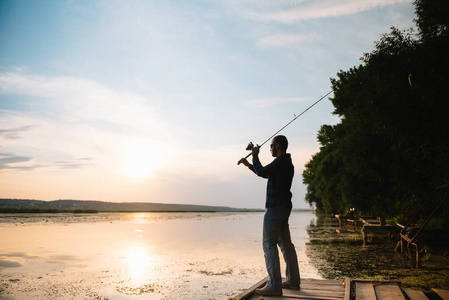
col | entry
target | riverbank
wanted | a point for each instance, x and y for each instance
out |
(341, 255)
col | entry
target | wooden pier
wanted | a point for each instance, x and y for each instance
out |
(368, 226)
(316, 289)
(348, 289)
(375, 229)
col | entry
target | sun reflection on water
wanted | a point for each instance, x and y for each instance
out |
(139, 263)
(141, 218)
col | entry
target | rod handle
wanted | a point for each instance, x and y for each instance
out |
(238, 163)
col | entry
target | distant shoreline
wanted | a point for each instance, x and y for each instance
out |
(93, 206)
(53, 211)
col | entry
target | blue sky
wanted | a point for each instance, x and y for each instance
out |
(156, 100)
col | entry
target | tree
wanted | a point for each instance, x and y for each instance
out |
(390, 148)
(433, 20)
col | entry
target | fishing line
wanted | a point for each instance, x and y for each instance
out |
(251, 145)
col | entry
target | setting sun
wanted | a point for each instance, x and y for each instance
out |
(141, 158)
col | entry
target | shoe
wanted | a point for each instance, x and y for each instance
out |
(290, 287)
(264, 292)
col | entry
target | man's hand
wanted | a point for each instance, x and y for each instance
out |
(256, 150)
(244, 161)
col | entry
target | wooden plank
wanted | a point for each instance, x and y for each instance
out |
(415, 294)
(287, 294)
(371, 221)
(317, 285)
(444, 294)
(249, 292)
(364, 237)
(364, 291)
(290, 296)
(313, 289)
(347, 288)
(388, 292)
(256, 297)
(322, 288)
(378, 281)
(316, 293)
(319, 281)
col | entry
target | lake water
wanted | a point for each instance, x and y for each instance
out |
(137, 255)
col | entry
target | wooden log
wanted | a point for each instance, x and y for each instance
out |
(364, 291)
(444, 294)
(415, 294)
(389, 292)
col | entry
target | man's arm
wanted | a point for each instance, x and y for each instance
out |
(260, 170)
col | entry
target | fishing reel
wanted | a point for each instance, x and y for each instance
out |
(249, 147)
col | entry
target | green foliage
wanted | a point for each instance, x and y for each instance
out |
(390, 149)
(433, 20)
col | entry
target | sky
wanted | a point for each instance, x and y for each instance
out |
(156, 101)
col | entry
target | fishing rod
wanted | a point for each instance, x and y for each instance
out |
(251, 145)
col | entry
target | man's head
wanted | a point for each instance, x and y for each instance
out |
(279, 145)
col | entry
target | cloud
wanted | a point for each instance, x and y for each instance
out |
(73, 164)
(5, 154)
(268, 102)
(74, 123)
(14, 159)
(11, 162)
(24, 163)
(14, 133)
(283, 40)
(306, 10)
(73, 99)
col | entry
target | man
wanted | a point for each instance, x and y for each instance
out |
(275, 225)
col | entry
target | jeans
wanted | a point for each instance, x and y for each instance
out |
(276, 232)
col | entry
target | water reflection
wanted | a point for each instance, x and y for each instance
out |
(9, 264)
(139, 263)
(141, 218)
(138, 255)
